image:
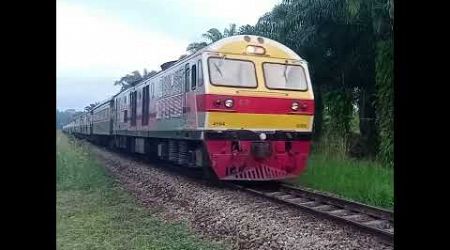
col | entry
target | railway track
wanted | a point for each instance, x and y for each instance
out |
(375, 220)
(372, 219)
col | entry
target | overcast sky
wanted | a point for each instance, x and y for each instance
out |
(99, 41)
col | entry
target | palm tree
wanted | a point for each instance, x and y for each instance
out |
(91, 106)
(134, 78)
(231, 31)
(212, 35)
(147, 74)
(129, 80)
(192, 47)
(247, 30)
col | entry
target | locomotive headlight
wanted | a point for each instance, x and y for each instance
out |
(229, 103)
(295, 106)
(262, 136)
(255, 50)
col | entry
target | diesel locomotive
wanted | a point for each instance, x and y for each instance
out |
(241, 108)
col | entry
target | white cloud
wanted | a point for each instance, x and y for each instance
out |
(90, 42)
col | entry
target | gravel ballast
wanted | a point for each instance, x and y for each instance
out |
(235, 218)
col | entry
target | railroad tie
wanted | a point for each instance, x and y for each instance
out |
(273, 194)
(353, 217)
(339, 212)
(323, 207)
(296, 200)
(375, 222)
(309, 203)
(286, 197)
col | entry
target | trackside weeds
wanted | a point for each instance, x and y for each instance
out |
(363, 181)
(94, 212)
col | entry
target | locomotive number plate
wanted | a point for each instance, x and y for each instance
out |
(218, 123)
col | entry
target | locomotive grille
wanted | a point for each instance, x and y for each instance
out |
(260, 173)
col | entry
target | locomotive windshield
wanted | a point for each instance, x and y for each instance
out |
(284, 76)
(231, 72)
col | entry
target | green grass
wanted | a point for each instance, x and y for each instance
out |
(93, 212)
(364, 181)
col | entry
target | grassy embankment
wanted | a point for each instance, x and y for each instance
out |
(360, 180)
(95, 213)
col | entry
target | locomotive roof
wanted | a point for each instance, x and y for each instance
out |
(227, 45)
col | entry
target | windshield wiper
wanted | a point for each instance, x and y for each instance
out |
(218, 69)
(285, 72)
(221, 63)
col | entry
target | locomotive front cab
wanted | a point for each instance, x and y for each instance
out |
(258, 109)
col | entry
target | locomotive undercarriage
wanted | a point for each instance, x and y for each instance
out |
(188, 153)
(239, 155)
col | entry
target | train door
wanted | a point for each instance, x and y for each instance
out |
(112, 111)
(91, 123)
(191, 102)
(187, 87)
(115, 114)
(133, 105)
(145, 105)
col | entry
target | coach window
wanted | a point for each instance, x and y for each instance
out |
(194, 77)
(186, 77)
(200, 73)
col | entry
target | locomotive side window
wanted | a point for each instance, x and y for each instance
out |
(232, 72)
(194, 77)
(200, 73)
(186, 77)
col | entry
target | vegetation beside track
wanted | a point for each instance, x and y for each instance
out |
(93, 212)
(360, 180)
